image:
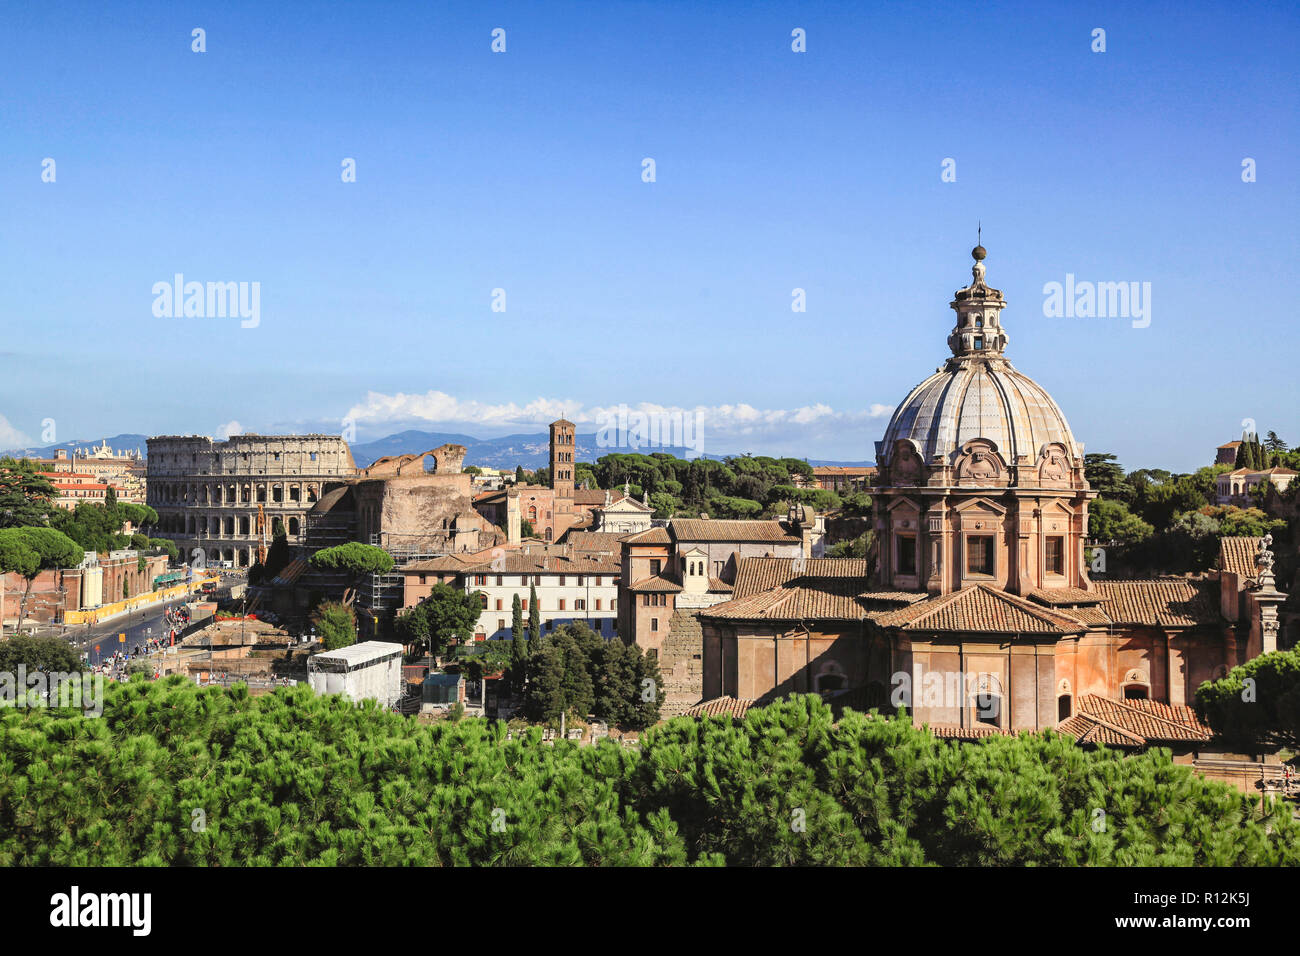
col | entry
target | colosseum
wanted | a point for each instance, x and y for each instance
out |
(207, 492)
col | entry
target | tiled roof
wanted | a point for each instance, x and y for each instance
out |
(762, 574)
(1088, 730)
(717, 584)
(653, 536)
(824, 589)
(1237, 556)
(732, 529)
(1133, 723)
(541, 562)
(1160, 602)
(446, 562)
(720, 707)
(1058, 597)
(594, 541)
(657, 584)
(588, 496)
(980, 608)
(827, 601)
(830, 471)
(951, 732)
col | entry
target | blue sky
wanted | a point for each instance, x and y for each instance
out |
(521, 170)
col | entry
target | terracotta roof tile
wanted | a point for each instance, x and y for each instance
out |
(717, 584)
(653, 536)
(1056, 597)
(754, 575)
(732, 529)
(1160, 602)
(951, 732)
(656, 584)
(1133, 723)
(981, 608)
(590, 541)
(720, 707)
(1237, 556)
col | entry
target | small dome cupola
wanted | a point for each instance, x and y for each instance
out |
(978, 333)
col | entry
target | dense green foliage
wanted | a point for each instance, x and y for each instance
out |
(47, 654)
(1162, 522)
(336, 624)
(742, 486)
(447, 615)
(575, 671)
(353, 559)
(1257, 705)
(24, 494)
(29, 551)
(174, 774)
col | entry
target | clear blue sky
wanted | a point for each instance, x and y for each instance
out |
(522, 171)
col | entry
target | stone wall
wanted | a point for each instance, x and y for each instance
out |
(681, 664)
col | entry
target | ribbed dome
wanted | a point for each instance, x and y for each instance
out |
(979, 398)
(978, 393)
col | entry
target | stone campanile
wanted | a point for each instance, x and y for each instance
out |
(562, 448)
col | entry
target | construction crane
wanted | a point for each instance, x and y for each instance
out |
(260, 530)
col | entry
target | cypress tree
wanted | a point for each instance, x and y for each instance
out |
(534, 615)
(516, 620)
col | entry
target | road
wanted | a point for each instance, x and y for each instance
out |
(138, 626)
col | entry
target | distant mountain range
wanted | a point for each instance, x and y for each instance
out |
(115, 442)
(531, 451)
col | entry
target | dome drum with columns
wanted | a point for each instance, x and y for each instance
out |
(980, 479)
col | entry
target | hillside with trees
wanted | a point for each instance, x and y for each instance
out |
(1154, 521)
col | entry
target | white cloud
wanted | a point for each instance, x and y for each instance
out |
(229, 430)
(379, 409)
(11, 437)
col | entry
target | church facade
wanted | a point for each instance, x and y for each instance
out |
(975, 608)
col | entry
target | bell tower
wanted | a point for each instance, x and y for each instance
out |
(562, 448)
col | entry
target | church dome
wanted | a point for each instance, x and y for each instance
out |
(978, 393)
(979, 399)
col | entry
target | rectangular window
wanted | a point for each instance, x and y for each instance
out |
(580, 605)
(525, 604)
(561, 604)
(501, 623)
(1055, 557)
(537, 579)
(580, 584)
(597, 604)
(498, 604)
(597, 582)
(480, 579)
(613, 604)
(646, 600)
(422, 577)
(979, 554)
(655, 566)
(654, 624)
(498, 580)
(907, 554)
(562, 580)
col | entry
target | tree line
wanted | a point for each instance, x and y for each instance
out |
(178, 775)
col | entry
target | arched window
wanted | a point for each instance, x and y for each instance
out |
(532, 512)
(830, 677)
(1064, 707)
